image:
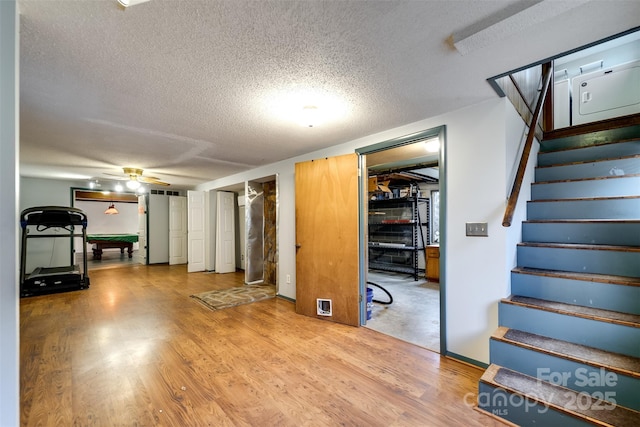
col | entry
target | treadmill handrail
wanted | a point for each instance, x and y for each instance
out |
(53, 216)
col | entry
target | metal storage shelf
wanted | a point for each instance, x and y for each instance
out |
(398, 232)
(395, 269)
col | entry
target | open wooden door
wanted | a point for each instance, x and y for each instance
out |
(327, 237)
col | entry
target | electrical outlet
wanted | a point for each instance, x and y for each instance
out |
(288, 278)
(477, 229)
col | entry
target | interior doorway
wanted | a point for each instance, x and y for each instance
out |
(255, 231)
(122, 222)
(403, 240)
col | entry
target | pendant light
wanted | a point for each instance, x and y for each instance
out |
(111, 210)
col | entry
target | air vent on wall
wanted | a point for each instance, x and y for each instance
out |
(167, 192)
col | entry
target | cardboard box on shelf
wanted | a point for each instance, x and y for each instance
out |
(373, 184)
(384, 186)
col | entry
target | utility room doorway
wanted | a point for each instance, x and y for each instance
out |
(403, 238)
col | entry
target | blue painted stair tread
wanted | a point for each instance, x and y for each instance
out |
(582, 231)
(612, 376)
(559, 399)
(585, 208)
(613, 361)
(578, 310)
(598, 259)
(622, 280)
(608, 292)
(619, 166)
(609, 186)
(588, 136)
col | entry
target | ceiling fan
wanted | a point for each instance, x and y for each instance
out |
(135, 178)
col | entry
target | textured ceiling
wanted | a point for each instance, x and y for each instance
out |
(191, 91)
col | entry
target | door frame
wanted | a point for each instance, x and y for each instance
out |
(441, 133)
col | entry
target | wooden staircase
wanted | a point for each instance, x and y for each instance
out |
(567, 351)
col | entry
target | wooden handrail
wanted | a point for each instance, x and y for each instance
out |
(524, 159)
(517, 87)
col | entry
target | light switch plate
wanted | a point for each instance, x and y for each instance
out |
(477, 229)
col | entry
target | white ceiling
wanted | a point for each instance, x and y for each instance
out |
(192, 91)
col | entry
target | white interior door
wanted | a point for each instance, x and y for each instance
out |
(177, 230)
(225, 232)
(210, 210)
(158, 229)
(142, 229)
(196, 231)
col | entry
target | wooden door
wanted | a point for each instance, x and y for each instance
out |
(327, 237)
(195, 231)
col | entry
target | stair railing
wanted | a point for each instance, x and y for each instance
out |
(524, 159)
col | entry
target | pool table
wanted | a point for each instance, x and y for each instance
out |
(105, 241)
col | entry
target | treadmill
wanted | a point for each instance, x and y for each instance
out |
(37, 222)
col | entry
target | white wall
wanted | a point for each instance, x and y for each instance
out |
(476, 270)
(477, 185)
(45, 192)
(125, 222)
(54, 252)
(9, 214)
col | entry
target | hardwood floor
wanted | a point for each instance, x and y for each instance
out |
(135, 350)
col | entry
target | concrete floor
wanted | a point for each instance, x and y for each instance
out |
(414, 315)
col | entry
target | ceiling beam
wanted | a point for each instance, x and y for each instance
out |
(512, 20)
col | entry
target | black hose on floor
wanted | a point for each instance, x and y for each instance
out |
(385, 291)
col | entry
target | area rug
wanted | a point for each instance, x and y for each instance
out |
(225, 298)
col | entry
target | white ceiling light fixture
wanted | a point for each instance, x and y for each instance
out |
(309, 116)
(118, 188)
(305, 107)
(133, 183)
